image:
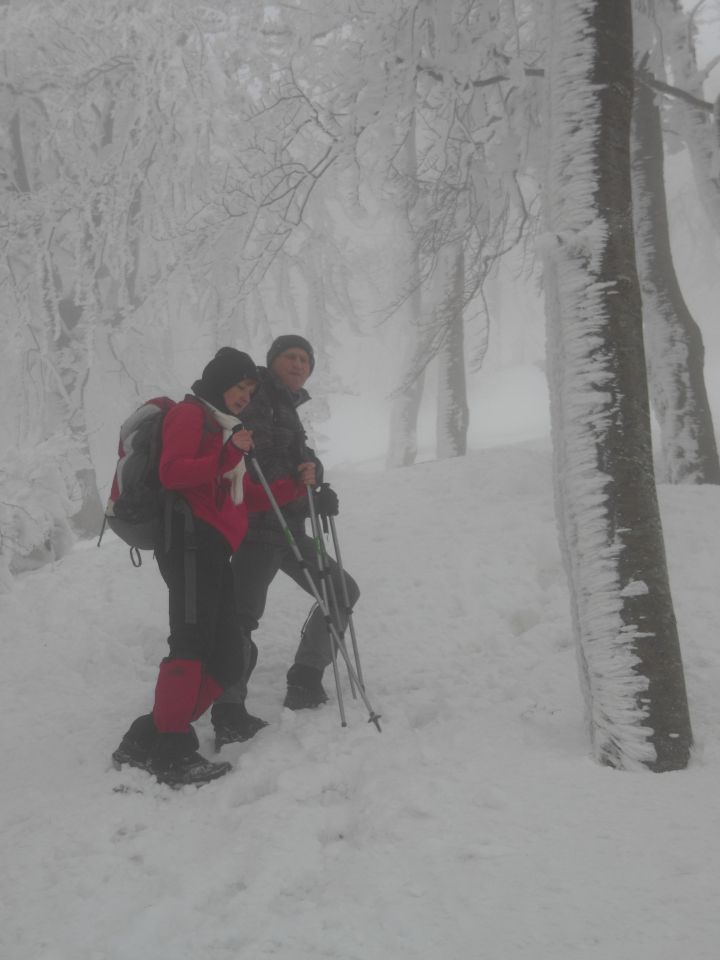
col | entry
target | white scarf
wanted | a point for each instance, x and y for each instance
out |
(228, 423)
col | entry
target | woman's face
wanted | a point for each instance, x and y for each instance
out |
(239, 395)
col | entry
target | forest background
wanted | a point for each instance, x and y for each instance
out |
(175, 177)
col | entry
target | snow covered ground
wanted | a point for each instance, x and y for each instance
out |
(475, 825)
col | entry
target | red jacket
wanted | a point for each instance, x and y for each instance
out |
(193, 461)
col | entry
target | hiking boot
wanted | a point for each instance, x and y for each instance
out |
(304, 688)
(175, 761)
(233, 724)
(194, 768)
(136, 746)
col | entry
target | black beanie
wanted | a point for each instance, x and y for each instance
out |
(228, 367)
(287, 342)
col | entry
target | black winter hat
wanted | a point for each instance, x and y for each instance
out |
(228, 367)
(287, 342)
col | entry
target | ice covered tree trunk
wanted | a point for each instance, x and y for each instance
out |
(605, 488)
(402, 443)
(70, 355)
(58, 341)
(452, 407)
(674, 344)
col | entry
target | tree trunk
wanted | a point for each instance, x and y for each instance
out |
(402, 444)
(697, 127)
(452, 407)
(674, 343)
(65, 345)
(607, 505)
(69, 355)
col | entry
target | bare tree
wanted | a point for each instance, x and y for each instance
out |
(452, 406)
(470, 121)
(402, 441)
(673, 340)
(697, 121)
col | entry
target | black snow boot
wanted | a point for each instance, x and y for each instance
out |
(304, 688)
(233, 724)
(176, 761)
(136, 746)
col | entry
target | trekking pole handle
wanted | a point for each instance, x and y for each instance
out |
(238, 428)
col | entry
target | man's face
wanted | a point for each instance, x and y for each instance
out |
(292, 368)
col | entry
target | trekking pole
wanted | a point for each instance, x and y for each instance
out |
(374, 717)
(323, 577)
(323, 555)
(346, 599)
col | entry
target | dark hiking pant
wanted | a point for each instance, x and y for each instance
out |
(205, 657)
(254, 567)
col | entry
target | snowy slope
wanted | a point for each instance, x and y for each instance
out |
(474, 825)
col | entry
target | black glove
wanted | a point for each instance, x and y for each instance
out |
(326, 501)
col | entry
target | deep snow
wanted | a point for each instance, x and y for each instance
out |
(475, 825)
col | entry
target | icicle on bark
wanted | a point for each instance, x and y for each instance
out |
(608, 514)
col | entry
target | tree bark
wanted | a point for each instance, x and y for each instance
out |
(452, 407)
(673, 340)
(402, 444)
(65, 342)
(70, 359)
(608, 513)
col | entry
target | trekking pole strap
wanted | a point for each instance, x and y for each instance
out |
(323, 565)
(332, 624)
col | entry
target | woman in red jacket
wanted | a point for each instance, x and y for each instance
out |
(203, 463)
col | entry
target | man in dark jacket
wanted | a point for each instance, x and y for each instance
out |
(280, 445)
